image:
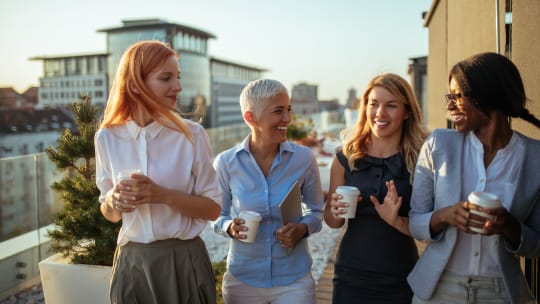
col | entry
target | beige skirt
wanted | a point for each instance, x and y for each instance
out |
(163, 272)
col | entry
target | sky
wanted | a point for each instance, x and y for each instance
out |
(335, 44)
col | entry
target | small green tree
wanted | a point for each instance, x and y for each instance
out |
(82, 233)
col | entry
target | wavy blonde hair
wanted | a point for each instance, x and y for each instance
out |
(413, 134)
(137, 62)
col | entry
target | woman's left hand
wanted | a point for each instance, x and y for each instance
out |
(140, 189)
(290, 234)
(502, 223)
(388, 211)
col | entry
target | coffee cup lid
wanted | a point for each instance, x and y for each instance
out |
(250, 215)
(484, 199)
(127, 173)
(348, 190)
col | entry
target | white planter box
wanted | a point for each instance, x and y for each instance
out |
(65, 283)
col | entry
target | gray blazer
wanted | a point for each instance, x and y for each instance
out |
(437, 184)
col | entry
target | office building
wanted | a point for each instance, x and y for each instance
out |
(67, 77)
(210, 86)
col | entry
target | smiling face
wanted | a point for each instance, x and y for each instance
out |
(271, 124)
(463, 113)
(164, 81)
(385, 114)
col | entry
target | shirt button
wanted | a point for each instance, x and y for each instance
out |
(476, 253)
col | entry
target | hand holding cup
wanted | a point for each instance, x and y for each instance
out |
(123, 196)
(349, 196)
(479, 202)
(248, 232)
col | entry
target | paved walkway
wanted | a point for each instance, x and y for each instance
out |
(324, 287)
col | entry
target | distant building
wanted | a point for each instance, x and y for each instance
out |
(352, 100)
(28, 130)
(67, 77)
(418, 76)
(228, 81)
(305, 98)
(329, 105)
(208, 84)
(10, 99)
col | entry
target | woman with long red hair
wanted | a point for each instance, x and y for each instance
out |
(164, 207)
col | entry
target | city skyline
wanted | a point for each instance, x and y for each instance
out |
(336, 45)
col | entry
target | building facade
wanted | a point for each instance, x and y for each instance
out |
(228, 80)
(461, 28)
(305, 98)
(418, 77)
(210, 86)
(67, 77)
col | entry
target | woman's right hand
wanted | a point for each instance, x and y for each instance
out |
(457, 215)
(235, 228)
(121, 202)
(337, 207)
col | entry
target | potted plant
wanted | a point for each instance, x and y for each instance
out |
(302, 132)
(82, 237)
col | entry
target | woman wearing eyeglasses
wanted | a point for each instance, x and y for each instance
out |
(482, 154)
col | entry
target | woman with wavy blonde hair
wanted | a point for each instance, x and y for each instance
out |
(170, 191)
(378, 158)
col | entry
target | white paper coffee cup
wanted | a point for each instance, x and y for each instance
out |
(251, 221)
(126, 174)
(485, 200)
(350, 196)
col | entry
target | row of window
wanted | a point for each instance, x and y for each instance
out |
(72, 83)
(56, 95)
(234, 72)
(75, 66)
(184, 41)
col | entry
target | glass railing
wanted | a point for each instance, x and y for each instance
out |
(27, 202)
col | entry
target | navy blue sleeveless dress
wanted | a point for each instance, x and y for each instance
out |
(374, 259)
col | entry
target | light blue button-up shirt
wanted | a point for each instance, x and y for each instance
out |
(264, 263)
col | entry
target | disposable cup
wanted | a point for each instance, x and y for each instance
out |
(485, 200)
(350, 196)
(251, 221)
(126, 174)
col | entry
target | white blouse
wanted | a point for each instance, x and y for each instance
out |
(170, 160)
(476, 254)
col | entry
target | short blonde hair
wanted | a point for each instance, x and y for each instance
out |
(256, 94)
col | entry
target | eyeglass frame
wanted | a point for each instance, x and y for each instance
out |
(453, 97)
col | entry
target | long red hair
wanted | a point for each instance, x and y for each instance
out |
(129, 94)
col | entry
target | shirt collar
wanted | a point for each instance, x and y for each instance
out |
(134, 130)
(514, 143)
(244, 146)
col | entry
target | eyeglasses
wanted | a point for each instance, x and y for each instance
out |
(453, 98)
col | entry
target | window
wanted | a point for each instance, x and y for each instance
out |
(508, 29)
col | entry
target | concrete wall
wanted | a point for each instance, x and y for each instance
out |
(460, 28)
